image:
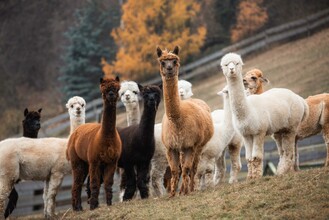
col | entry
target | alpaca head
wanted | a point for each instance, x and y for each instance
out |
(231, 65)
(109, 88)
(169, 62)
(76, 107)
(129, 92)
(253, 80)
(31, 122)
(185, 89)
(223, 92)
(151, 95)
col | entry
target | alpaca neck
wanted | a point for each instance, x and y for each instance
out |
(108, 119)
(238, 98)
(259, 90)
(30, 134)
(133, 114)
(171, 98)
(148, 120)
(76, 122)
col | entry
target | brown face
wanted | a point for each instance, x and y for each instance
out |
(251, 82)
(109, 89)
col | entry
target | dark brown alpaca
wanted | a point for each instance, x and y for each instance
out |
(186, 126)
(94, 149)
(31, 127)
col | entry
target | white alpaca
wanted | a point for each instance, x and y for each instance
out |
(276, 111)
(128, 93)
(42, 159)
(76, 108)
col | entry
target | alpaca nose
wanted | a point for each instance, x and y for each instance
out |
(127, 96)
(78, 109)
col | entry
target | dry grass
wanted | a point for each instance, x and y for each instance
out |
(302, 195)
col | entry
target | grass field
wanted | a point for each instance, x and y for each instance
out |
(303, 67)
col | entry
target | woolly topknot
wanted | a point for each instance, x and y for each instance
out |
(128, 85)
(231, 57)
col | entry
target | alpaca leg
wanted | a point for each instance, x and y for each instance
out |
(80, 172)
(5, 188)
(220, 169)
(257, 155)
(123, 183)
(248, 142)
(167, 179)
(54, 184)
(173, 160)
(156, 179)
(296, 165)
(13, 197)
(108, 182)
(95, 181)
(143, 179)
(196, 155)
(45, 196)
(286, 164)
(130, 183)
(234, 151)
(187, 166)
(325, 131)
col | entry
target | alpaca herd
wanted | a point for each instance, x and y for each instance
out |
(190, 142)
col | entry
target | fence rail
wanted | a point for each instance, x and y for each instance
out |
(285, 32)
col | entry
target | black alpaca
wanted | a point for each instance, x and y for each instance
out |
(31, 127)
(138, 146)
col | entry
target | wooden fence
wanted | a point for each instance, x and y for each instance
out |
(285, 32)
(311, 149)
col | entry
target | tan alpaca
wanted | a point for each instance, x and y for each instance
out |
(186, 126)
(253, 81)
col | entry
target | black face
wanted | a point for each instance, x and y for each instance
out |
(151, 95)
(32, 121)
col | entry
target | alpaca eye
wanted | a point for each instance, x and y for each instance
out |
(175, 62)
(72, 106)
(163, 63)
(135, 92)
(82, 105)
(253, 78)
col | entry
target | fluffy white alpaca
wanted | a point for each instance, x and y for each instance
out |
(185, 89)
(42, 159)
(76, 108)
(128, 93)
(276, 111)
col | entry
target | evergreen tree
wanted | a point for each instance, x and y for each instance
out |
(89, 42)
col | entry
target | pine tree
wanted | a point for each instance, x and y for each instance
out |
(89, 42)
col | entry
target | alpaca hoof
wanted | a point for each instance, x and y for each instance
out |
(93, 205)
(77, 209)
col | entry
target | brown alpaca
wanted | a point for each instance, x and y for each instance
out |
(186, 126)
(253, 81)
(96, 147)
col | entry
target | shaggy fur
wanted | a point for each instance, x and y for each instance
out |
(316, 122)
(186, 126)
(95, 149)
(185, 89)
(253, 81)
(138, 145)
(128, 93)
(76, 107)
(277, 111)
(31, 127)
(33, 159)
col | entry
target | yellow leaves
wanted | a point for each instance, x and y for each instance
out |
(251, 16)
(148, 23)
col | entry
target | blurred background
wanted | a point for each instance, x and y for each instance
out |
(52, 50)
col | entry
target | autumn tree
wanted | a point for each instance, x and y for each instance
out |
(250, 17)
(147, 23)
(88, 42)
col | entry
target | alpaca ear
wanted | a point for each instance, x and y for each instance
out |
(160, 86)
(101, 80)
(140, 87)
(159, 51)
(117, 78)
(264, 80)
(26, 111)
(40, 109)
(176, 50)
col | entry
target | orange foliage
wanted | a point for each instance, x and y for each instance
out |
(148, 23)
(251, 16)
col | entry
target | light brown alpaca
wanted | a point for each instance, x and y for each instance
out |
(317, 121)
(186, 126)
(253, 81)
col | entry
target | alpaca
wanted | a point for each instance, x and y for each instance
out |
(277, 111)
(94, 149)
(138, 145)
(31, 127)
(186, 125)
(159, 161)
(129, 96)
(76, 108)
(253, 81)
(20, 160)
(317, 121)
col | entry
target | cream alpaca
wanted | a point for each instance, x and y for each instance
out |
(42, 159)
(277, 111)
(180, 117)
